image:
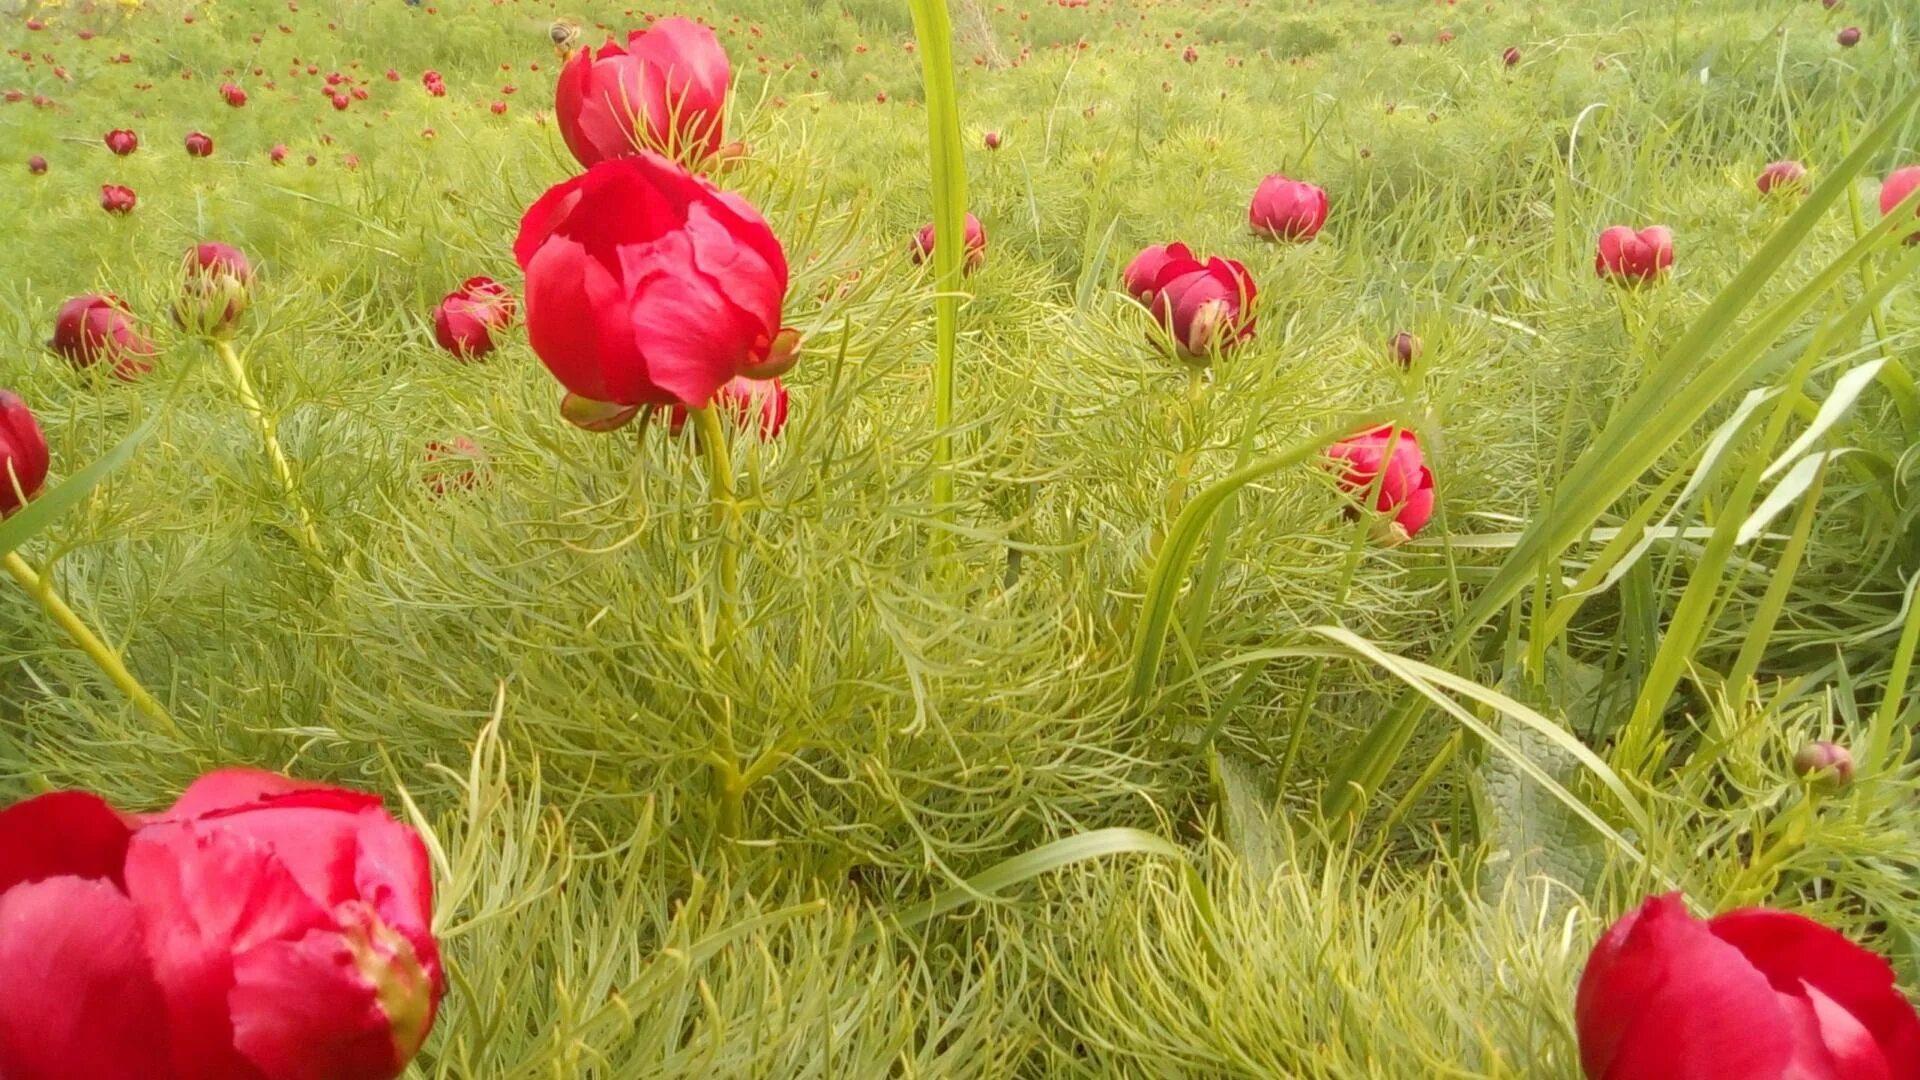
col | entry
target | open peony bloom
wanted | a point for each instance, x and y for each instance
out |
(466, 319)
(96, 327)
(1143, 273)
(665, 90)
(1405, 482)
(261, 929)
(1204, 307)
(647, 285)
(976, 241)
(23, 463)
(1625, 257)
(1750, 995)
(1285, 209)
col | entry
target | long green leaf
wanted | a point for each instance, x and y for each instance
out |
(933, 30)
(1028, 865)
(49, 505)
(1176, 554)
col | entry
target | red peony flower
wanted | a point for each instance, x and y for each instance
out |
(1204, 307)
(1143, 273)
(991, 140)
(233, 95)
(461, 451)
(97, 327)
(665, 91)
(262, 927)
(37, 165)
(278, 155)
(1848, 37)
(976, 240)
(646, 285)
(122, 142)
(23, 469)
(1752, 993)
(1625, 257)
(465, 319)
(1899, 184)
(117, 198)
(1407, 348)
(199, 144)
(1405, 482)
(1285, 209)
(1782, 177)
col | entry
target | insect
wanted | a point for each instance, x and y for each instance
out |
(565, 34)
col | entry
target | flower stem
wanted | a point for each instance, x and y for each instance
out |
(1176, 497)
(730, 785)
(40, 587)
(308, 536)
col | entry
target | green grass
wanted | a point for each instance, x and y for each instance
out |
(954, 703)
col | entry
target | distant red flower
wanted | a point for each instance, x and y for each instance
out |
(117, 198)
(278, 155)
(1782, 177)
(992, 140)
(199, 144)
(1511, 57)
(97, 327)
(466, 319)
(742, 400)
(1391, 457)
(122, 141)
(646, 285)
(499, 108)
(23, 454)
(1753, 993)
(664, 90)
(1849, 37)
(451, 455)
(1625, 257)
(1406, 348)
(36, 165)
(976, 244)
(234, 96)
(1286, 209)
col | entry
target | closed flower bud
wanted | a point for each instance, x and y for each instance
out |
(1783, 178)
(117, 198)
(1407, 349)
(199, 144)
(976, 240)
(37, 165)
(1625, 257)
(23, 454)
(122, 142)
(1849, 37)
(215, 289)
(741, 401)
(466, 319)
(1900, 184)
(1511, 57)
(992, 140)
(97, 327)
(596, 416)
(1285, 209)
(1827, 763)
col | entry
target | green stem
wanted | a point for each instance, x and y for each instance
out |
(308, 536)
(40, 587)
(730, 785)
(1183, 462)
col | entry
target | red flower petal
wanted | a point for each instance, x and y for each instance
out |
(72, 833)
(76, 996)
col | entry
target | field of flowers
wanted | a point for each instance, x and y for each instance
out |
(846, 538)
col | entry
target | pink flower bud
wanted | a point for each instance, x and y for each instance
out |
(215, 288)
(1284, 209)
(1625, 257)
(98, 327)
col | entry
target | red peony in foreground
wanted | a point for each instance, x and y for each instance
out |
(647, 285)
(1625, 257)
(1750, 995)
(94, 327)
(23, 469)
(1285, 209)
(466, 319)
(665, 90)
(261, 928)
(976, 241)
(1205, 307)
(1392, 457)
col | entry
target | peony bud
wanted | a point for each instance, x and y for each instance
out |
(117, 198)
(976, 241)
(1285, 209)
(23, 454)
(739, 401)
(1849, 37)
(96, 327)
(1783, 178)
(1511, 57)
(122, 142)
(1405, 484)
(460, 450)
(1827, 764)
(1407, 349)
(596, 416)
(37, 165)
(214, 291)
(782, 353)
(992, 140)
(199, 144)
(1625, 257)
